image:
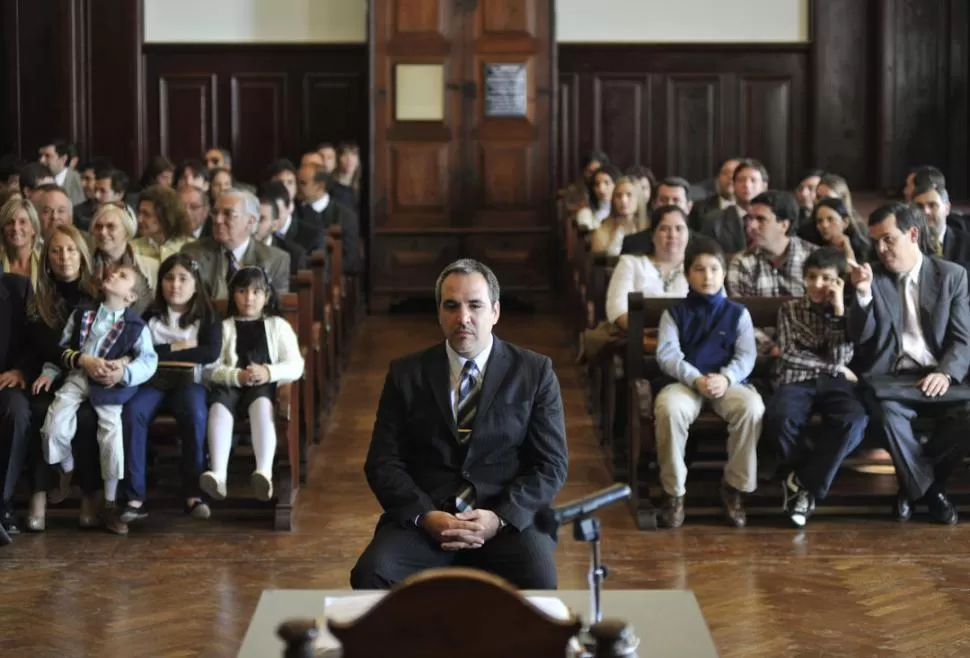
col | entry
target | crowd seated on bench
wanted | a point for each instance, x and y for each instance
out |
(117, 305)
(864, 329)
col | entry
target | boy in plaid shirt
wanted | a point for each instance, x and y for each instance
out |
(109, 352)
(813, 376)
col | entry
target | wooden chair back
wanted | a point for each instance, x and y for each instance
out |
(441, 613)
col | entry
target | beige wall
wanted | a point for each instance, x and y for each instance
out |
(345, 21)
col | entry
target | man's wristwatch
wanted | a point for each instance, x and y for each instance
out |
(501, 523)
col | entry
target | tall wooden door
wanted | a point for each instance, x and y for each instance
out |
(462, 131)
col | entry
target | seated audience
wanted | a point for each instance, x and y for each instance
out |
(222, 181)
(813, 377)
(55, 155)
(672, 191)
(948, 241)
(328, 156)
(113, 230)
(310, 237)
(627, 216)
(773, 266)
(602, 181)
(108, 342)
(577, 194)
(469, 443)
(32, 176)
(659, 274)
(20, 237)
(84, 211)
(322, 211)
(726, 226)
(55, 209)
(193, 173)
(15, 366)
(805, 196)
(65, 281)
(347, 174)
(706, 351)
(184, 327)
(163, 224)
(722, 198)
(644, 176)
(160, 171)
(231, 246)
(267, 232)
(910, 323)
(838, 227)
(919, 176)
(195, 203)
(259, 350)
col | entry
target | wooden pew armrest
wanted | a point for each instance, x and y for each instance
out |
(284, 402)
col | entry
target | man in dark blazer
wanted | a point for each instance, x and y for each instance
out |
(910, 322)
(469, 443)
(15, 368)
(321, 210)
(949, 241)
(232, 246)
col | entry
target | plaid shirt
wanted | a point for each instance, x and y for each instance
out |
(752, 274)
(812, 343)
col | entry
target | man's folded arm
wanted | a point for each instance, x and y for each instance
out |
(385, 468)
(544, 457)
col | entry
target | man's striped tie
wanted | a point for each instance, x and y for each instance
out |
(469, 390)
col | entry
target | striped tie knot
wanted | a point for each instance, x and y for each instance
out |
(468, 391)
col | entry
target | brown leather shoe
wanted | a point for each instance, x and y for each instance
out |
(111, 515)
(733, 505)
(672, 513)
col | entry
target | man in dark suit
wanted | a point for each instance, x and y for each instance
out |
(949, 242)
(722, 195)
(312, 237)
(269, 218)
(671, 191)
(910, 322)
(468, 444)
(727, 226)
(232, 246)
(15, 367)
(321, 210)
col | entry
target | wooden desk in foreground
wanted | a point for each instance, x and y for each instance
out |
(668, 622)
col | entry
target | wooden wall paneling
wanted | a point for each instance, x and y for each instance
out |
(958, 102)
(260, 101)
(841, 100)
(258, 107)
(621, 118)
(116, 88)
(568, 129)
(692, 124)
(703, 80)
(914, 81)
(186, 112)
(766, 124)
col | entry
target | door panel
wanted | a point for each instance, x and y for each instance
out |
(453, 179)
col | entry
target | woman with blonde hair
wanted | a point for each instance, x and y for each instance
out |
(628, 215)
(162, 224)
(64, 281)
(19, 235)
(113, 230)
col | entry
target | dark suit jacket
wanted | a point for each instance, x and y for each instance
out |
(309, 234)
(211, 257)
(84, 213)
(337, 214)
(298, 258)
(702, 209)
(516, 459)
(944, 313)
(956, 246)
(727, 228)
(640, 242)
(15, 292)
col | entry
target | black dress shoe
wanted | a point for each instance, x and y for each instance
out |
(903, 507)
(941, 509)
(9, 522)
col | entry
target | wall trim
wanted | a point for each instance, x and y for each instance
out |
(274, 48)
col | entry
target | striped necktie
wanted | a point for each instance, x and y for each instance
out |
(231, 266)
(469, 390)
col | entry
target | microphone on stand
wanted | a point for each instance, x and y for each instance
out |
(549, 520)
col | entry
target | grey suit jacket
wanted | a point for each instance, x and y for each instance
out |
(213, 264)
(72, 185)
(727, 228)
(944, 313)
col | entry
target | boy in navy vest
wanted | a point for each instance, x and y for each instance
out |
(706, 350)
(813, 376)
(109, 352)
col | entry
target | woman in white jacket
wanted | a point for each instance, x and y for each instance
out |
(259, 351)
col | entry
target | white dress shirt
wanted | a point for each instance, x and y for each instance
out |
(321, 204)
(61, 178)
(635, 273)
(456, 362)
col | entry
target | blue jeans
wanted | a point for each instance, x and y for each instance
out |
(188, 406)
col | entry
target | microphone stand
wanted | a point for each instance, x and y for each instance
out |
(588, 530)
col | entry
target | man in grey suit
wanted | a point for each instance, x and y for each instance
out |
(232, 246)
(56, 156)
(910, 322)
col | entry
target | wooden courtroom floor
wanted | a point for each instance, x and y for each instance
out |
(844, 587)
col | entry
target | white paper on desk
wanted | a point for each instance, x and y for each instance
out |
(348, 608)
